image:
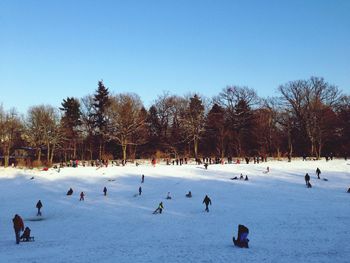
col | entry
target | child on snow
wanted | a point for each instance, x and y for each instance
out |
(39, 205)
(206, 201)
(82, 196)
(159, 209)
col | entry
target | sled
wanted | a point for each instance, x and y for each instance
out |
(30, 239)
(34, 219)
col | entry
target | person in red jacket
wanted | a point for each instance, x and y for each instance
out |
(18, 226)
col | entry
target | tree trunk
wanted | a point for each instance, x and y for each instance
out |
(7, 156)
(39, 155)
(124, 151)
(52, 153)
(48, 154)
(195, 145)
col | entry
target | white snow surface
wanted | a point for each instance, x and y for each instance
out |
(287, 221)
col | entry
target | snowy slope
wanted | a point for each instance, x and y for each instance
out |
(287, 221)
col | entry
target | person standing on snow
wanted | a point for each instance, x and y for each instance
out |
(142, 179)
(105, 191)
(18, 227)
(39, 205)
(318, 172)
(140, 190)
(206, 201)
(82, 196)
(159, 209)
(307, 179)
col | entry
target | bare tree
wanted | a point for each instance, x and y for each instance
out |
(10, 128)
(43, 130)
(124, 119)
(308, 101)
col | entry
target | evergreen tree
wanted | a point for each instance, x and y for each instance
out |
(194, 122)
(71, 122)
(100, 105)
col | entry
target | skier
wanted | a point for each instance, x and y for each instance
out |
(105, 191)
(142, 179)
(39, 205)
(26, 234)
(189, 195)
(318, 172)
(70, 191)
(140, 190)
(18, 227)
(159, 209)
(82, 196)
(307, 179)
(206, 201)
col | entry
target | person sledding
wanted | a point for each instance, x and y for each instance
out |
(159, 208)
(242, 239)
(70, 191)
(39, 205)
(26, 235)
(206, 201)
(189, 194)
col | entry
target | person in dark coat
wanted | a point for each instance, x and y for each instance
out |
(241, 177)
(142, 179)
(26, 234)
(206, 166)
(82, 196)
(206, 201)
(242, 239)
(189, 195)
(159, 209)
(307, 179)
(246, 178)
(18, 227)
(70, 191)
(105, 191)
(39, 205)
(318, 172)
(349, 190)
(140, 190)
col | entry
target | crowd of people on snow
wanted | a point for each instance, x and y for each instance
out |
(241, 241)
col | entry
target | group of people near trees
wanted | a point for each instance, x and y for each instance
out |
(241, 241)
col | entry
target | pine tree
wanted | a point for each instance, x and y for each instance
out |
(71, 122)
(101, 103)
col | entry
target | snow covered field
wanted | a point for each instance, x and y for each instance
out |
(287, 221)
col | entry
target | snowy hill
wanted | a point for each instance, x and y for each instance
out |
(288, 222)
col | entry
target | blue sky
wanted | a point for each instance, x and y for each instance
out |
(53, 49)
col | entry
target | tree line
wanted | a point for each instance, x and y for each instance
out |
(306, 117)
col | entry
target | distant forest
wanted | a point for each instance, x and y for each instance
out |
(307, 117)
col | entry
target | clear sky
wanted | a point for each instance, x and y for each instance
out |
(53, 49)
